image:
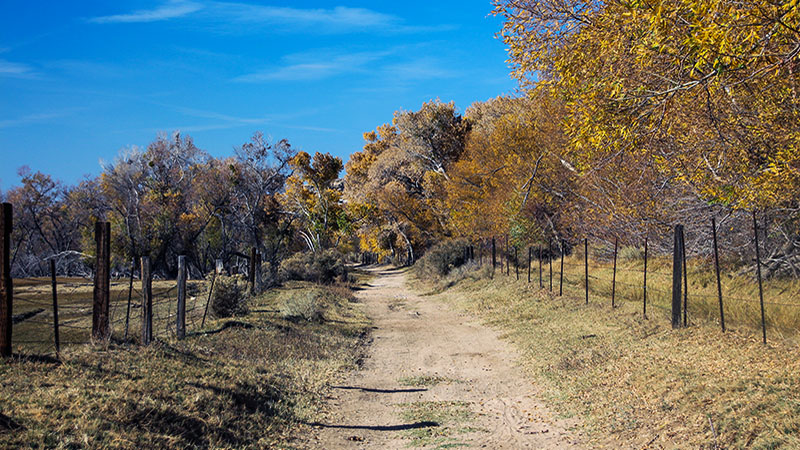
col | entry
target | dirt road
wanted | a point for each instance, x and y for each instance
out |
(435, 378)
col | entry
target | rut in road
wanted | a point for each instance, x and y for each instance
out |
(435, 377)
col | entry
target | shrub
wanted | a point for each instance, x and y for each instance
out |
(303, 304)
(229, 296)
(440, 259)
(324, 267)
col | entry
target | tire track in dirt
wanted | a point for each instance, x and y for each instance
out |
(434, 376)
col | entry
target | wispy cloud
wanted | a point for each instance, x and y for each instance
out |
(231, 16)
(31, 119)
(169, 10)
(339, 18)
(314, 66)
(16, 70)
(419, 69)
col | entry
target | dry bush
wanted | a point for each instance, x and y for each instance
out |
(325, 267)
(229, 297)
(440, 259)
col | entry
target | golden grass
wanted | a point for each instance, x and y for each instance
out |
(250, 382)
(637, 383)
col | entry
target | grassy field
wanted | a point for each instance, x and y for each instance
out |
(637, 383)
(247, 382)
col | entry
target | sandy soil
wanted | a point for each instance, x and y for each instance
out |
(462, 361)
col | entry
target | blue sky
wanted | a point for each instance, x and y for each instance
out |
(81, 80)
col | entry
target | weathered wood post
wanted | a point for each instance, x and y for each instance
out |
(147, 302)
(101, 329)
(760, 287)
(614, 276)
(677, 260)
(685, 282)
(6, 284)
(181, 312)
(130, 295)
(56, 337)
(716, 268)
(258, 273)
(586, 267)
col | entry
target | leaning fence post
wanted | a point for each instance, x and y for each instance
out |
(760, 287)
(6, 284)
(644, 286)
(208, 300)
(719, 281)
(561, 272)
(677, 260)
(56, 337)
(614, 276)
(586, 267)
(147, 302)
(181, 312)
(102, 282)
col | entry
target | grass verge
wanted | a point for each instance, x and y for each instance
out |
(251, 382)
(636, 383)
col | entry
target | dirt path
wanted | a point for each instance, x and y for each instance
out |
(435, 378)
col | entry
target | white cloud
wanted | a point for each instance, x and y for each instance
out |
(314, 66)
(31, 119)
(169, 10)
(340, 17)
(17, 70)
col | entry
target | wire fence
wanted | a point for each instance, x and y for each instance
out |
(34, 313)
(600, 275)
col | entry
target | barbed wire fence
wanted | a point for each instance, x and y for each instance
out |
(48, 313)
(689, 290)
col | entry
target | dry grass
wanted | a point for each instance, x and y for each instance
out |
(252, 382)
(637, 383)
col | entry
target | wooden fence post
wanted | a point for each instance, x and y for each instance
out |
(685, 282)
(719, 281)
(258, 273)
(181, 312)
(644, 287)
(677, 260)
(561, 272)
(56, 337)
(586, 267)
(6, 284)
(614, 276)
(516, 262)
(130, 295)
(101, 329)
(760, 287)
(147, 302)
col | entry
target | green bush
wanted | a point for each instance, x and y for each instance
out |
(324, 267)
(443, 257)
(229, 297)
(630, 254)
